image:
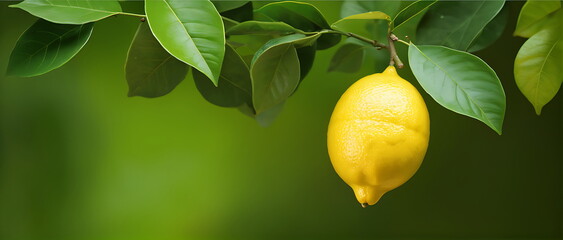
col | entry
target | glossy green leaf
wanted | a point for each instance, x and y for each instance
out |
(537, 68)
(223, 6)
(300, 15)
(275, 75)
(348, 58)
(70, 12)
(192, 31)
(532, 13)
(456, 24)
(491, 32)
(234, 84)
(411, 11)
(46, 46)
(353, 7)
(460, 82)
(150, 70)
(297, 40)
(263, 28)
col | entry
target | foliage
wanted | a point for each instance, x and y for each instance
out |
(255, 58)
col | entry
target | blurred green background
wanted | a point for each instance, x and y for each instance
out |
(81, 160)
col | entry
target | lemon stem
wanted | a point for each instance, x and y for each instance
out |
(394, 58)
(364, 205)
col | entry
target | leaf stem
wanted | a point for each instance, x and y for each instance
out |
(394, 58)
(374, 43)
(132, 14)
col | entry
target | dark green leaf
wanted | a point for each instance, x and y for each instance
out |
(150, 70)
(456, 24)
(411, 11)
(275, 75)
(533, 15)
(353, 7)
(266, 28)
(241, 14)
(70, 12)
(229, 23)
(223, 6)
(371, 25)
(491, 32)
(46, 46)
(306, 58)
(265, 118)
(537, 69)
(302, 16)
(460, 82)
(234, 83)
(192, 31)
(348, 58)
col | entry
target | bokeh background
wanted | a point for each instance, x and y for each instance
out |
(81, 160)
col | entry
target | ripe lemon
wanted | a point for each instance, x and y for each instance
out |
(378, 134)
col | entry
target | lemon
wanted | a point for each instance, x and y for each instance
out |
(378, 134)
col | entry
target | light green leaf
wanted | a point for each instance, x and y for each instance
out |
(456, 24)
(300, 15)
(460, 82)
(348, 58)
(371, 25)
(150, 70)
(46, 46)
(192, 31)
(537, 68)
(411, 11)
(263, 28)
(70, 12)
(353, 7)
(275, 75)
(234, 84)
(532, 13)
(223, 6)
(491, 32)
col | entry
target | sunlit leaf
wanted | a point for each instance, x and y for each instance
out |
(532, 13)
(537, 68)
(460, 82)
(70, 12)
(150, 70)
(456, 24)
(46, 46)
(192, 31)
(353, 7)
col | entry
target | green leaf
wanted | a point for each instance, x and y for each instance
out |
(240, 14)
(234, 83)
(348, 58)
(265, 118)
(372, 25)
(223, 6)
(460, 82)
(306, 57)
(263, 28)
(46, 46)
(150, 70)
(456, 24)
(300, 15)
(411, 11)
(537, 68)
(192, 31)
(229, 23)
(491, 32)
(70, 12)
(532, 13)
(275, 75)
(353, 7)
(298, 40)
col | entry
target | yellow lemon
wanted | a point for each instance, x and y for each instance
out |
(378, 134)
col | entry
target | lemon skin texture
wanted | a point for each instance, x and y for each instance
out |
(378, 134)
